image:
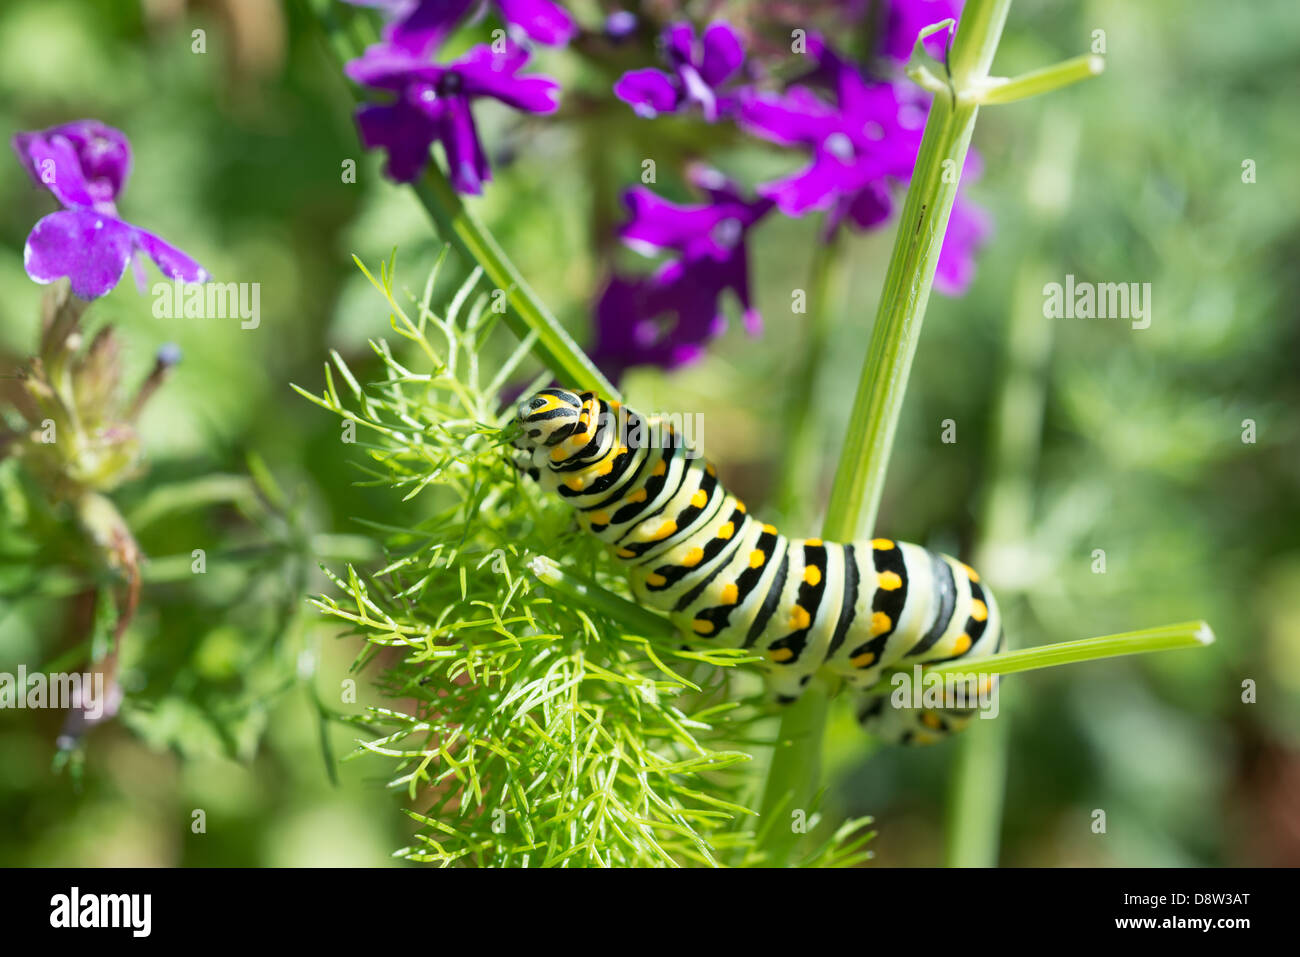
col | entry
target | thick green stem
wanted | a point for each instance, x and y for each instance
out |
(793, 777)
(860, 478)
(461, 228)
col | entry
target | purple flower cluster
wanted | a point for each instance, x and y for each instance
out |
(431, 101)
(861, 135)
(666, 318)
(699, 72)
(85, 166)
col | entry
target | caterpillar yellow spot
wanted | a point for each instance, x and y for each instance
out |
(962, 644)
(626, 553)
(729, 594)
(605, 467)
(740, 507)
(978, 610)
(974, 575)
(864, 660)
(711, 470)
(770, 529)
(880, 623)
(889, 581)
(660, 468)
(882, 544)
(654, 579)
(638, 496)
(600, 518)
(931, 720)
(799, 618)
(814, 543)
(693, 557)
(666, 529)
(558, 453)
(812, 575)
(756, 558)
(702, 626)
(780, 654)
(700, 498)
(727, 530)
(577, 483)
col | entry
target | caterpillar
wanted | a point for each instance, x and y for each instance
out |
(805, 606)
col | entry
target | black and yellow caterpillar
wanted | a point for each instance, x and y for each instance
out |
(804, 605)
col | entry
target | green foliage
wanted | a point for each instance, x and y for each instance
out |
(530, 728)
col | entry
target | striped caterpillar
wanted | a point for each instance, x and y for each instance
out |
(805, 606)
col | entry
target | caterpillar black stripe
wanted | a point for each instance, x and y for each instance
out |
(693, 551)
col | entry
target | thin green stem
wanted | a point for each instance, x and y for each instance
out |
(1002, 90)
(860, 478)
(584, 592)
(462, 229)
(976, 791)
(1187, 634)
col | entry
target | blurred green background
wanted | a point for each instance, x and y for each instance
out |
(1072, 435)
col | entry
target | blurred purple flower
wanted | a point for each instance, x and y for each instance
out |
(85, 166)
(419, 26)
(904, 19)
(634, 318)
(620, 25)
(863, 150)
(870, 137)
(433, 104)
(698, 72)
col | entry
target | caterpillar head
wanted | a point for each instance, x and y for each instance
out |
(548, 417)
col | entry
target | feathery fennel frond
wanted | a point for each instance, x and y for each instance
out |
(529, 724)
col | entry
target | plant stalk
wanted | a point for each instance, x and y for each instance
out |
(860, 477)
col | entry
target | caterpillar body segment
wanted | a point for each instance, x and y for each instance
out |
(804, 606)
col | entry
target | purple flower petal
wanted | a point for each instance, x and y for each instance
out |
(388, 67)
(171, 262)
(815, 187)
(544, 22)
(91, 249)
(649, 92)
(657, 223)
(723, 53)
(799, 117)
(679, 44)
(484, 72)
(466, 162)
(418, 26)
(84, 164)
(405, 132)
(904, 21)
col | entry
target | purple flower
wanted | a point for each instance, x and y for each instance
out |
(870, 137)
(433, 104)
(905, 19)
(666, 319)
(419, 26)
(698, 73)
(85, 166)
(620, 25)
